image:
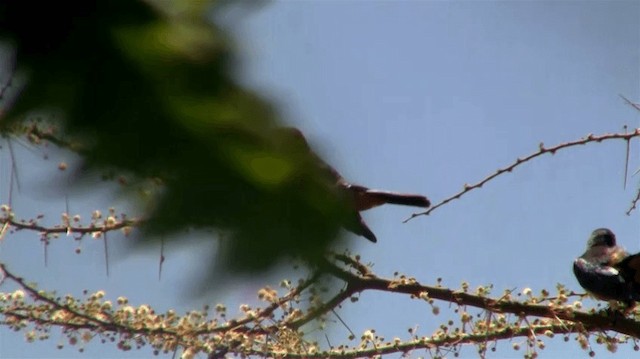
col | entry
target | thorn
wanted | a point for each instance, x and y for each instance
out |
(626, 161)
(630, 103)
(14, 168)
(161, 259)
(4, 229)
(343, 323)
(106, 253)
(45, 243)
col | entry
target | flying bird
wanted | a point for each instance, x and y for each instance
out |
(360, 198)
(607, 271)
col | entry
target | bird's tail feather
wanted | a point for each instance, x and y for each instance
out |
(404, 199)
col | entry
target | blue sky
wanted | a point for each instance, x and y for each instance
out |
(415, 96)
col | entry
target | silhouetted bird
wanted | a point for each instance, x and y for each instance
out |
(359, 197)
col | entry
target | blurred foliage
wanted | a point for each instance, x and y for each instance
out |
(149, 90)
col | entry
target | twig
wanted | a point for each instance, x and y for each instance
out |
(542, 150)
(634, 203)
(266, 312)
(32, 226)
(630, 103)
(36, 295)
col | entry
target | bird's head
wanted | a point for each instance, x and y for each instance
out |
(601, 237)
(602, 248)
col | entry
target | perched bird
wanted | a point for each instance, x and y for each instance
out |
(607, 271)
(360, 198)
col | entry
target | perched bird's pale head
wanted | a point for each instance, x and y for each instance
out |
(601, 237)
(602, 247)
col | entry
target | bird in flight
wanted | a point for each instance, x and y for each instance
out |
(360, 198)
(607, 271)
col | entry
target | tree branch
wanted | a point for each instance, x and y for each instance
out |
(541, 151)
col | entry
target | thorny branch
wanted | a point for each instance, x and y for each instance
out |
(260, 332)
(7, 222)
(521, 160)
(358, 283)
(36, 133)
(248, 336)
(39, 133)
